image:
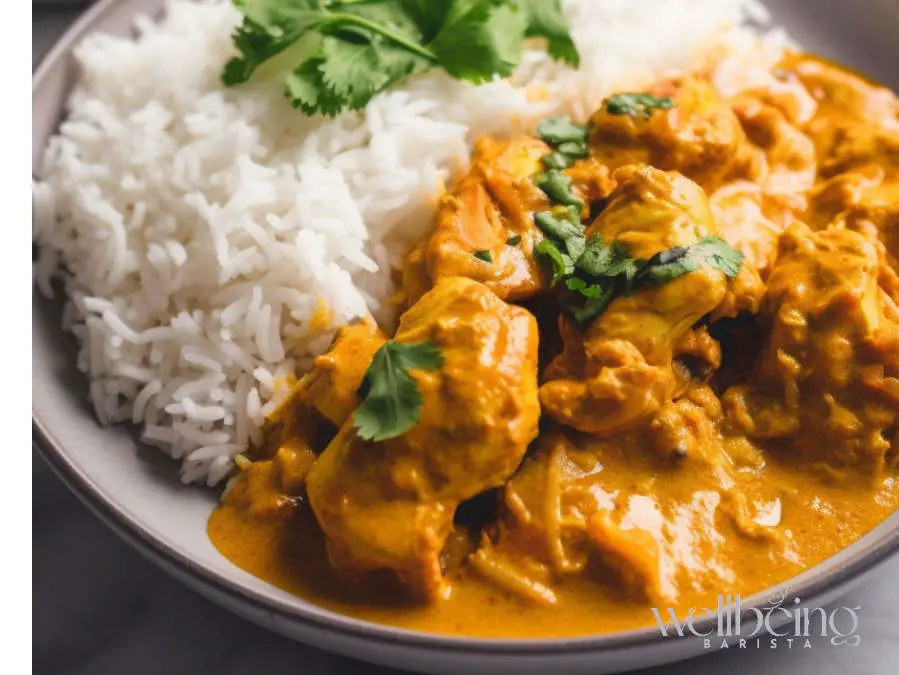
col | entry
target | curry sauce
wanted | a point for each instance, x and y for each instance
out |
(821, 518)
(668, 370)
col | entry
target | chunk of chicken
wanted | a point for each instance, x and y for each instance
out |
(698, 352)
(331, 386)
(491, 214)
(620, 370)
(866, 200)
(768, 180)
(856, 132)
(828, 377)
(855, 120)
(777, 156)
(272, 488)
(751, 221)
(390, 505)
(699, 137)
(492, 203)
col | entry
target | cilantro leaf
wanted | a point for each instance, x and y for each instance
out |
(598, 296)
(670, 264)
(557, 187)
(661, 274)
(562, 263)
(715, 252)
(484, 255)
(705, 252)
(556, 160)
(558, 224)
(280, 18)
(564, 243)
(255, 46)
(630, 270)
(480, 39)
(514, 240)
(306, 90)
(575, 149)
(668, 255)
(591, 309)
(637, 104)
(428, 15)
(337, 54)
(557, 130)
(606, 271)
(345, 68)
(569, 141)
(391, 399)
(587, 289)
(601, 260)
(545, 19)
(394, 16)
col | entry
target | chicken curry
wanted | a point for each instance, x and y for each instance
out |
(642, 361)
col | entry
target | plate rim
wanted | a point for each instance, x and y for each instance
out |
(862, 556)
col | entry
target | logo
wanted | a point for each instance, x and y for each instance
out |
(778, 624)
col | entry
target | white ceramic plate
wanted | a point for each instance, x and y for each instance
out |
(137, 493)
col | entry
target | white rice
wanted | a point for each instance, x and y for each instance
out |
(196, 229)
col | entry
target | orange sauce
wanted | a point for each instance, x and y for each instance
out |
(822, 518)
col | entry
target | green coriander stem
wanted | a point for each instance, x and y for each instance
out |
(380, 30)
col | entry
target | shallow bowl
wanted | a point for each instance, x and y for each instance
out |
(137, 493)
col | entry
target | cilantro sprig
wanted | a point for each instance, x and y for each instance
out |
(557, 187)
(564, 242)
(593, 270)
(606, 271)
(637, 104)
(391, 400)
(336, 55)
(558, 130)
(568, 140)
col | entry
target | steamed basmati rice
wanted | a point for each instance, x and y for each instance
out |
(197, 230)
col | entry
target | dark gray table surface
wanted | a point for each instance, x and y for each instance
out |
(99, 608)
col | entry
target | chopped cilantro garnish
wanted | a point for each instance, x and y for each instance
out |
(337, 54)
(391, 400)
(637, 104)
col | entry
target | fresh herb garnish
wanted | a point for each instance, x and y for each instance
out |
(484, 255)
(337, 54)
(557, 130)
(545, 19)
(597, 271)
(637, 104)
(514, 240)
(563, 264)
(597, 299)
(568, 140)
(391, 399)
(564, 243)
(669, 265)
(560, 223)
(715, 252)
(557, 187)
(600, 260)
(569, 143)
(606, 271)
(574, 149)
(556, 160)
